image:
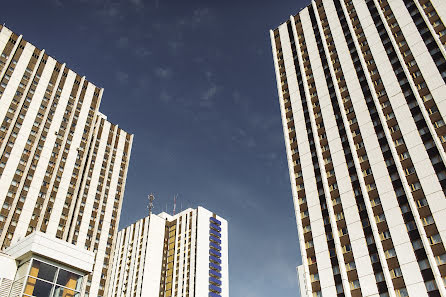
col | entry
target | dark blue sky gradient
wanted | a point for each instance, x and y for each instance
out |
(194, 81)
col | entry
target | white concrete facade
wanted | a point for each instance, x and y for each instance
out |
(63, 166)
(165, 255)
(41, 265)
(366, 81)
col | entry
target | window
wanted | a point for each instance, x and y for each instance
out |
(343, 231)
(336, 270)
(384, 235)
(379, 277)
(422, 202)
(434, 239)
(431, 285)
(410, 226)
(402, 292)
(409, 170)
(441, 259)
(439, 124)
(396, 272)
(399, 141)
(415, 186)
(380, 218)
(390, 253)
(404, 156)
(367, 172)
(350, 266)
(424, 264)
(354, 285)
(346, 248)
(375, 202)
(339, 289)
(427, 220)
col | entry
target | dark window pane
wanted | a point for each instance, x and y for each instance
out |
(64, 292)
(43, 271)
(38, 288)
(69, 279)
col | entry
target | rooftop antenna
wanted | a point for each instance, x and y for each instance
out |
(174, 203)
(151, 198)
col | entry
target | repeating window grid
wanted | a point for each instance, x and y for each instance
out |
(415, 185)
(57, 160)
(32, 151)
(331, 178)
(16, 107)
(431, 14)
(70, 126)
(336, 256)
(390, 130)
(372, 108)
(80, 163)
(431, 28)
(92, 241)
(48, 104)
(358, 26)
(302, 207)
(355, 136)
(94, 146)
(113, 138)
(6, 59)
(47, 201)
(17, 179)
(431, 231)
(82, 191)
(425, 98)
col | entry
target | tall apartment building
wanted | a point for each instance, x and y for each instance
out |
(62, 164)
(362, 89)
(181, 255)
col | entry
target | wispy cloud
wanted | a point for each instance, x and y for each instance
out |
(143, 52)
(138, 3)
(163, 72)
(122, 42)
(175, 45)
(122, 77)
(208, 95)
(198, 16)
(165, 97)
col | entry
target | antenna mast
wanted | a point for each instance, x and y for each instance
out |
(151, 198)
(174, 203)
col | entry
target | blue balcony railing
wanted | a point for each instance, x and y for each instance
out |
(215, 246)
(215, 259)
(215, 239)
(214, 273)
(214, 233)
(215, 221)
(215, 266)
(213, 226)
(214, 253)
(214, 281)
(214, 288)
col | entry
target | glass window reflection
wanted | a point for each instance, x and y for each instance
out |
(69, 279)
(43, 271)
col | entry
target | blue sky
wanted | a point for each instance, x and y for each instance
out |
(194, 81)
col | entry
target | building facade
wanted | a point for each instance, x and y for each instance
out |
(361, 86)
(41, 265)
(62, 164)
(181, 255)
